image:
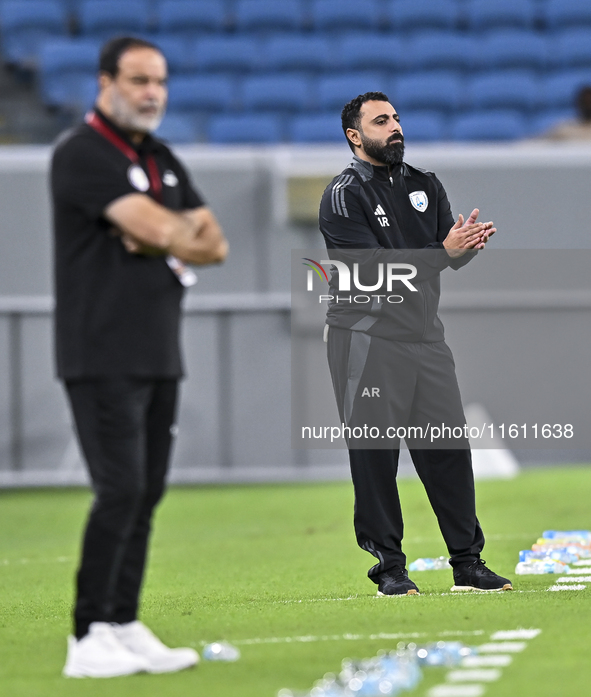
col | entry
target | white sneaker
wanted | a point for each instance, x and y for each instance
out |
(100, 654)
(136, 637)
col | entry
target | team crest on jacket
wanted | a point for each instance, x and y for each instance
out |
(419, 200)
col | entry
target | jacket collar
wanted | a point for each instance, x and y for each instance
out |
(368, 171)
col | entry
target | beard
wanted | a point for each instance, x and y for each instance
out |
(389, 153)
(132, 118)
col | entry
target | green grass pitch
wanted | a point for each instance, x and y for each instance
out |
(264, 566)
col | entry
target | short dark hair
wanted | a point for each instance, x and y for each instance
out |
(351, 114)
(112, 51)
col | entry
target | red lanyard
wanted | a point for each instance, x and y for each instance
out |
(94, 121)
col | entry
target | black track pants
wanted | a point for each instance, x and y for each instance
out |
(124, 429)
(417, 386)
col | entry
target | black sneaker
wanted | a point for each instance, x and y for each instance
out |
(474, 576)
(395, 581)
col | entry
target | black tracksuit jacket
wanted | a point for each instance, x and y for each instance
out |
(371, 208)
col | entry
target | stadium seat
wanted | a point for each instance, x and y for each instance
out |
(424, 126)
(227, 53)
(277, 92)
(558, 14)
(245, 128)
(546, 120)
(201, 93)
(335, 91)
(571, 48)
(506, 89)
(178, 128)
(66, 68)
(438, 89)
(418, 15)
(26, 25)
(104, 18)
(76, 94)
(439, 50)
(265, 15)
(185, 18)
(486, 15)
(178, 52)
(490, 125)
(559, 89)
(369, 51)
(512, 48)
(331, 15)
(316, 128)
(296, 52)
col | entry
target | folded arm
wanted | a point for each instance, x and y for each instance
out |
(193, 236)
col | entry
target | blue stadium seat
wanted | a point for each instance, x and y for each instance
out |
(185, 18)
(558, 14)
(418, 15)
(297, 52)
(277, 92)
(548, 119)
(265, 15)
(66, 69)
(512, 48)
(369, 51)
(425, 126)
(560, 89)
(490, 125)
(178, 52)
(506, 89)
(438, 89)
(486, 15)
(331, 15)
(227, 53)
(571, 48)
(439, 50)
(76, 94)
(106, 18)
(26, 25)
(316, 128)
(245, 128)
(201, 93)
(178, 128)
(335, 91)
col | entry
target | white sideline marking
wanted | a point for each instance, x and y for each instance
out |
(515, 634)
(57, 560)
(570, 579)
(456, 691)
(503, 647)
(583, 562)
(496, 660)
(564, 587)
(348, 637)
(484, 675)
(580, 571)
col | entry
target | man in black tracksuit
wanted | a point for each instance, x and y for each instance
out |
(389, 362)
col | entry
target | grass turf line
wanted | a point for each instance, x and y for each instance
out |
(264, 562)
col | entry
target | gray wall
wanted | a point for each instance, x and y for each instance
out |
(234, 421)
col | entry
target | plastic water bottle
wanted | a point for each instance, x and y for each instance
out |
(536, 566)
(572, 535)
(443, 653)
(429, 564)
(557, 554)
(220, 651)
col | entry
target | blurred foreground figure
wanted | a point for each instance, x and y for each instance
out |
(389, 363)
(575, 129)
(126, 219)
